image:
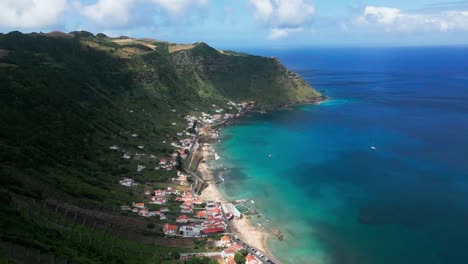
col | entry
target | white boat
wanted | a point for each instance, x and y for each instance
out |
(252, 201)
(373, 148)
(217, 157)
(269, 156)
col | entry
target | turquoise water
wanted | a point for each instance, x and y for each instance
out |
(335, 199)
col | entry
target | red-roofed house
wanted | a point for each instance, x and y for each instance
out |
(231, 250)
(139, 205)
(201, 214)
(169, 229)
(225, 241)
(213, 230)
(159, 193)
(182, 219)
(250, 259)
(160, 200)
(187, 210)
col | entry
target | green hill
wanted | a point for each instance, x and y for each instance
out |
(65, 98)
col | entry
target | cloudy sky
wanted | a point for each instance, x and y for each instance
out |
(254, 23)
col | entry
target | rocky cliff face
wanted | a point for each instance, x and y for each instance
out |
(242, 77)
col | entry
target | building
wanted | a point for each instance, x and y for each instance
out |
(213, 230)
(201, 214)
(169, 229)
(190, 231)
(183, 219)
(186, 210)
(158, 200)
(225, 241)
(159, 192)
(139, 205)
(230, 251)
(250, 259)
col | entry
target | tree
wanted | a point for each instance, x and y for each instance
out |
(194, 125)
(239, 257)
(179, 161)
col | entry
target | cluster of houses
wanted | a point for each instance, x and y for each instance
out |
(227, 254)
(196, 218)
(203, 221)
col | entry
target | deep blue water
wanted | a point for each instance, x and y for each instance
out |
(338, 201)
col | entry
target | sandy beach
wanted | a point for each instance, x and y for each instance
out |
(243, 228)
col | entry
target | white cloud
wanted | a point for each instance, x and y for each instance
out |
(108, 12)
(30, 13)
(393, 19)
(263, 9)
(118, 13)
(178, 7)
(277, 33)
(283, 16)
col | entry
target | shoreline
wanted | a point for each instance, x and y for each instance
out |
(242, 228)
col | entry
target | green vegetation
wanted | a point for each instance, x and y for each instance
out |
(65, 98)
(239, 256)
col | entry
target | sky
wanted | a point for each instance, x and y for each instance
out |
(250, 23)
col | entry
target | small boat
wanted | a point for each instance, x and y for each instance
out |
(373, 148)
(217, 157)
(252, 201)
(269, 156)
(221, 177)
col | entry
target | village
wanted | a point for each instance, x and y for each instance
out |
(177, 205)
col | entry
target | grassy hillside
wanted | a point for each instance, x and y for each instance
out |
(65, 98)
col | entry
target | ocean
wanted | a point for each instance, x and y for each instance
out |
(337, 200)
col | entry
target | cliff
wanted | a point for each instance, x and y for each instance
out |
(65, 98)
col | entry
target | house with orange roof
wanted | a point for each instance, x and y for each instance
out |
(200, 214)
(169, 229)
(139, 205)
(225, 241)
(230, 260)
(182, 219)
(250, 259)
(230, 251)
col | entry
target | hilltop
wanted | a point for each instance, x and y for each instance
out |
(67, 97)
